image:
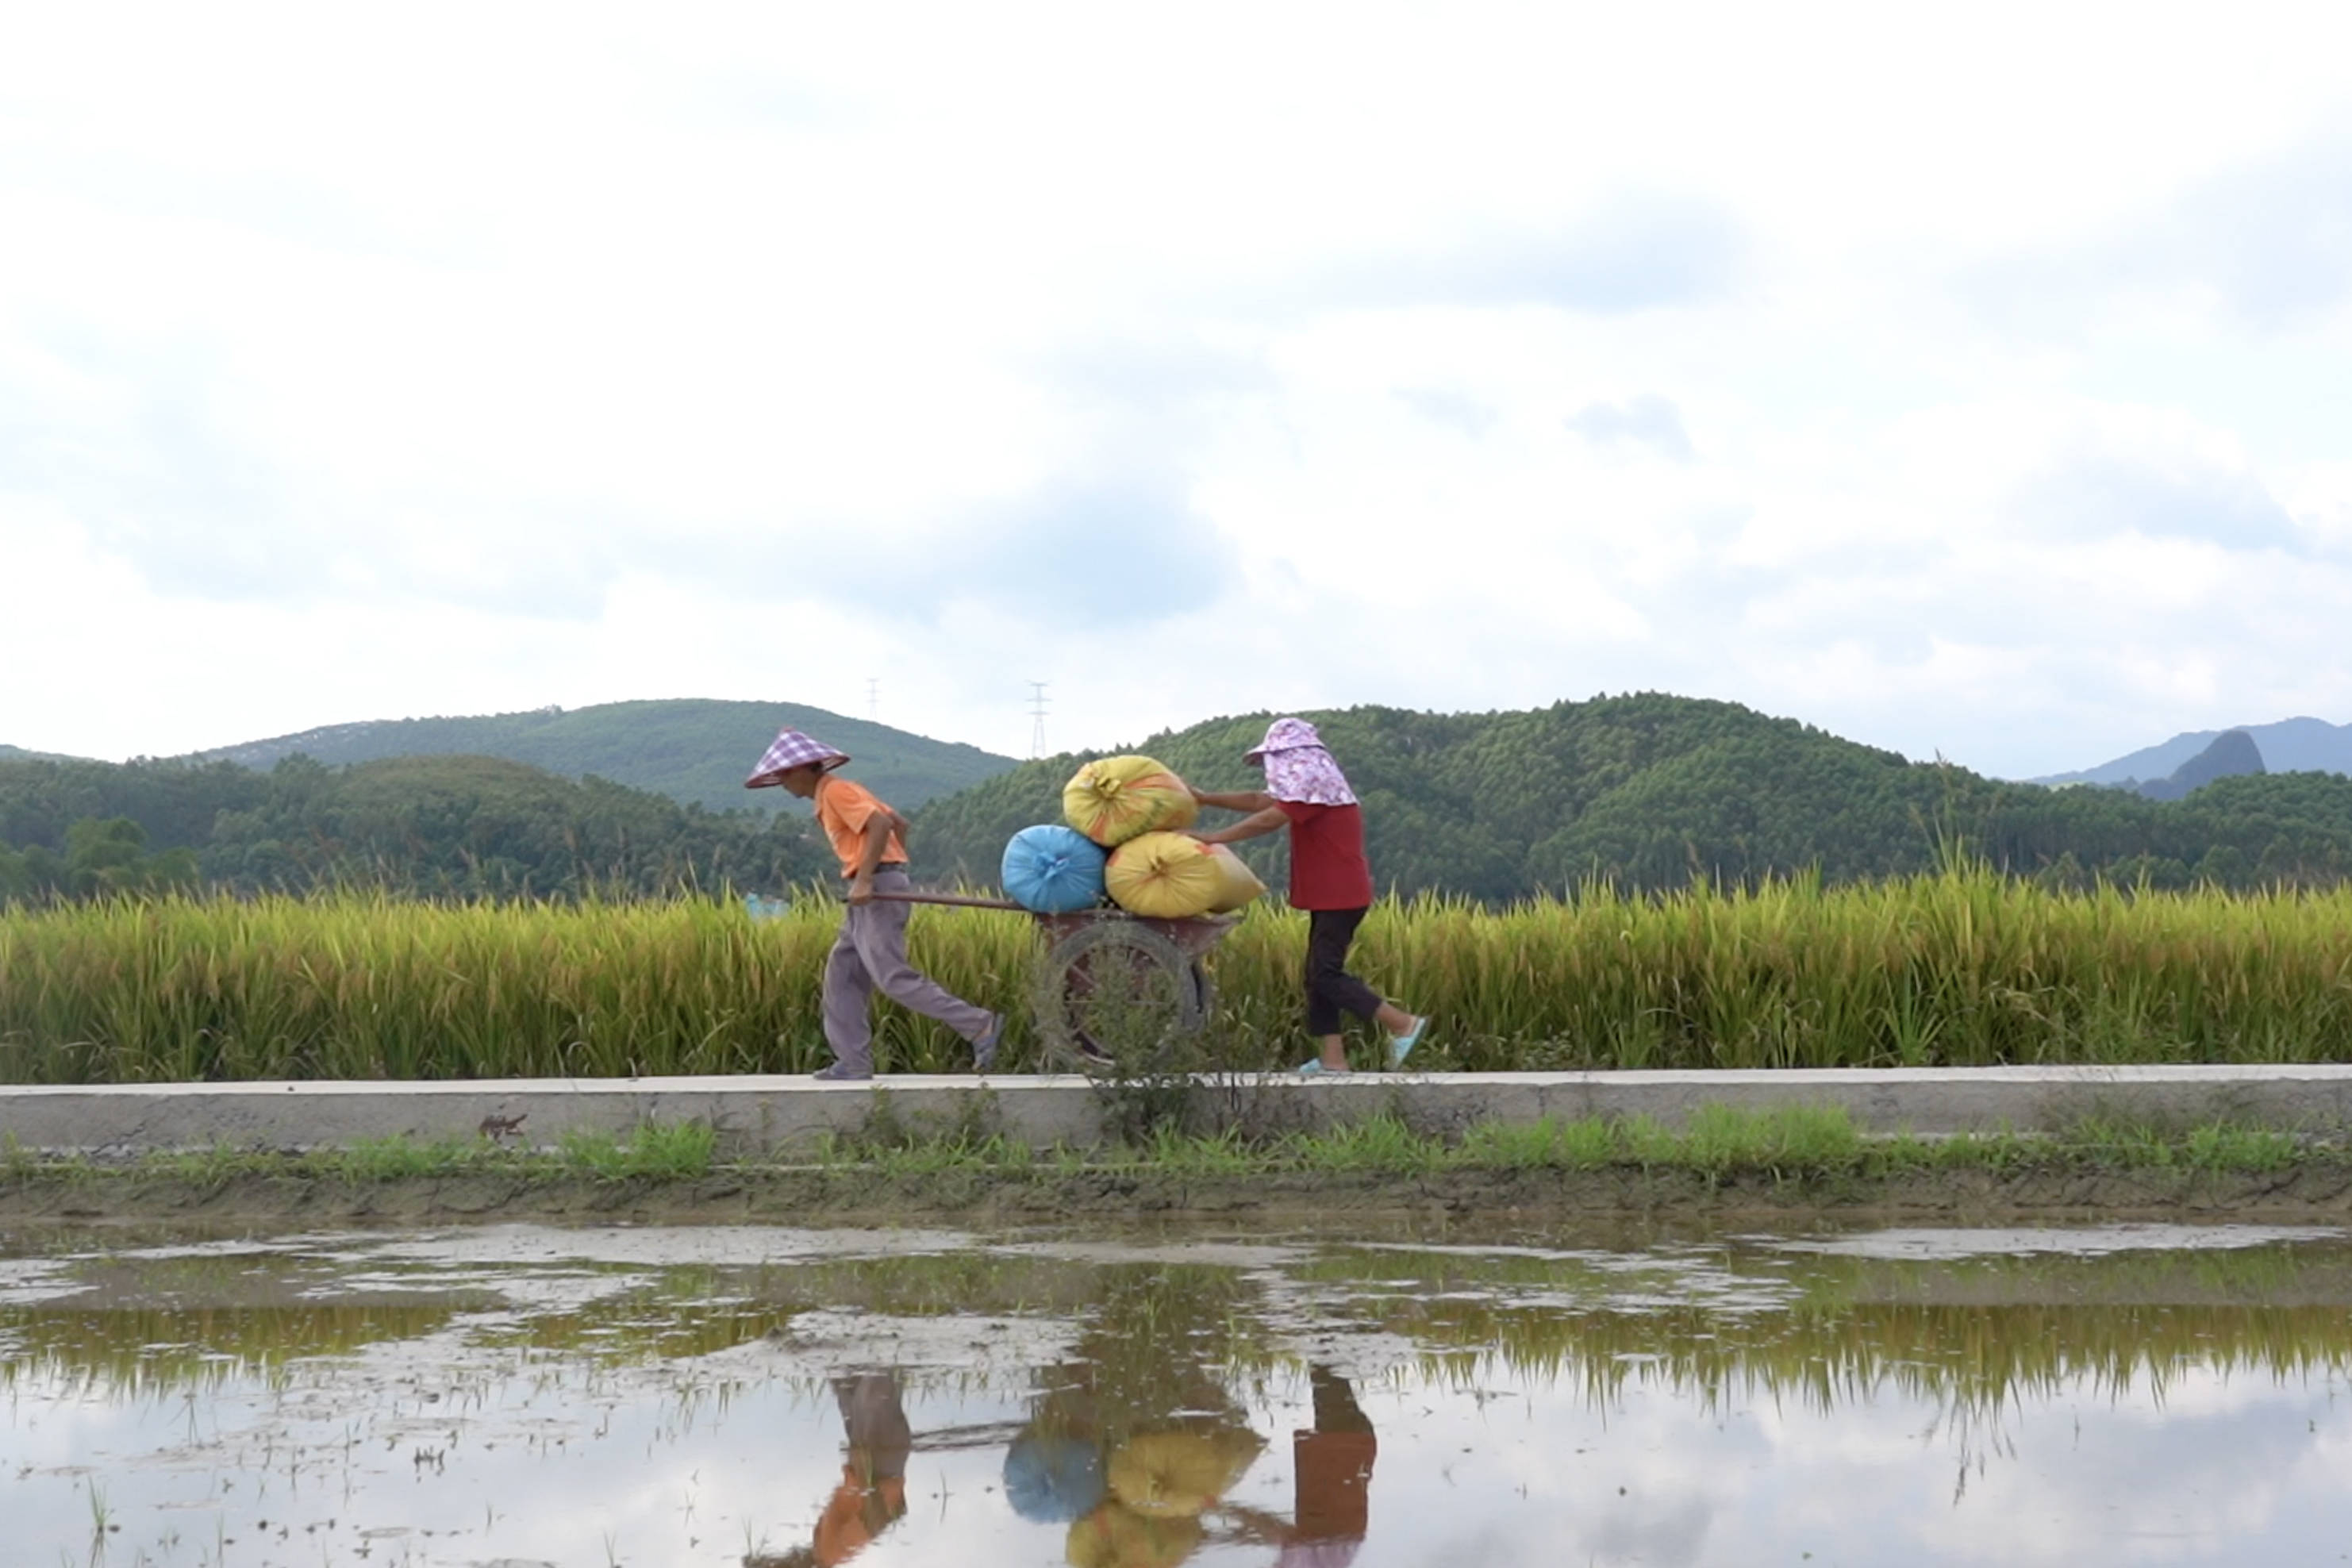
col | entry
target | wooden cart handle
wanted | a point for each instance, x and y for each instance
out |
(956, 899)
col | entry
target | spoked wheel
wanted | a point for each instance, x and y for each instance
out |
(1117, 997)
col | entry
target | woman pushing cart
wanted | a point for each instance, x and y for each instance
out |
(1330, 878)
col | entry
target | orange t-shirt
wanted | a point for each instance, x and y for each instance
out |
(843, 809)
(861, 1508)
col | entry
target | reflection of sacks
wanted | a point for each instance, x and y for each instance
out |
(1171, 876)
(1113, 799)
(1053, 1480)
(1176, 1475)
(1053, 869)
(1115, 1537)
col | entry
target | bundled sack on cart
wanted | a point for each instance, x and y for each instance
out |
(1181, 1474)
(1114, 799)
(1162, 1483)
(1171, 876)
(1050, 869)
(1115, 1536)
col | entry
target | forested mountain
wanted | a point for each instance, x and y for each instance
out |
(1648, 792)
(1651, 791)
(438, 827)
(2289, 746)
(692, 750)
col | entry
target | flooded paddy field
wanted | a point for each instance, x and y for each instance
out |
(512, 1395)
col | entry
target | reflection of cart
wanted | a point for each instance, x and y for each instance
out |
(1113, 990)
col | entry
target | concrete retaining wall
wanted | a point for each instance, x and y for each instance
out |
(784, 1115)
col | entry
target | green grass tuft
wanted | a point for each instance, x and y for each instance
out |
(670, 1150)
(1718, 1143)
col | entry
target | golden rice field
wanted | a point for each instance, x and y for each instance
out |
(1960, 968)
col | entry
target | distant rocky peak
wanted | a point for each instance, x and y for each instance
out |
(2233, 752)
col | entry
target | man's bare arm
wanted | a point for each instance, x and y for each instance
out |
(874, 841)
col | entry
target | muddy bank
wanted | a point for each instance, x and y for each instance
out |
(2317, 1193)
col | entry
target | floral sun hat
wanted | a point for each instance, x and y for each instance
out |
(793, 750)
(1297, 768)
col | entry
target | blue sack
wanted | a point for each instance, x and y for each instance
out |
(1053, 869)
(1052, 1480)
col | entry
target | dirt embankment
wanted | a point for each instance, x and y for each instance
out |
(849, 1196)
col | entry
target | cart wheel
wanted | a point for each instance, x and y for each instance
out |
(1115, 995)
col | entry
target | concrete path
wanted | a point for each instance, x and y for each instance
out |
(782, 1115)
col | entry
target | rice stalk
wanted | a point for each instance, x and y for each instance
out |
(1959, 967)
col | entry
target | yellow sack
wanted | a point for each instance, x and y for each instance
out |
(1238, 883)
(1180, 1475)
(1116, 1537)
(1114, 799)
(1166, 875)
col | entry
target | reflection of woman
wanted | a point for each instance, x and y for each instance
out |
(1331, 1472)
(1332, 1465)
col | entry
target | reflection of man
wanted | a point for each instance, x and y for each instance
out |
(872, 1491)
(1332, 1463)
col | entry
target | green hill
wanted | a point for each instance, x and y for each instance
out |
(693, 750)
(1646, 791)
(440, 826)
(1652, 791)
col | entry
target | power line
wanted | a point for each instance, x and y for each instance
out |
(1037, 714)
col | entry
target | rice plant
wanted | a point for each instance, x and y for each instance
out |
(1963, 967)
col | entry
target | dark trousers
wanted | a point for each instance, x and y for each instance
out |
(1331, 989)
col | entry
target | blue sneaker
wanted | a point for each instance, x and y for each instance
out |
(1400, 1046)
(841, 1072)
(1316, 1070)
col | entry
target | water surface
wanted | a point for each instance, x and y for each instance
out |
(521, 1396)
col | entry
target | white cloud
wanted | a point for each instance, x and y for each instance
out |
(1465, 361)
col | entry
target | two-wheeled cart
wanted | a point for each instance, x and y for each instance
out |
(1113, 990)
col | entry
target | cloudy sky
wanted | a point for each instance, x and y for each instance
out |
(1975, 381)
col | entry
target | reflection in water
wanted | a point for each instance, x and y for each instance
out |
(872, 1495)
(1136, 1435)
(767, 1397)
(1331, 1468)
(1331, 1478)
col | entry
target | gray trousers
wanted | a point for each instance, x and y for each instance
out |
(870, 955)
